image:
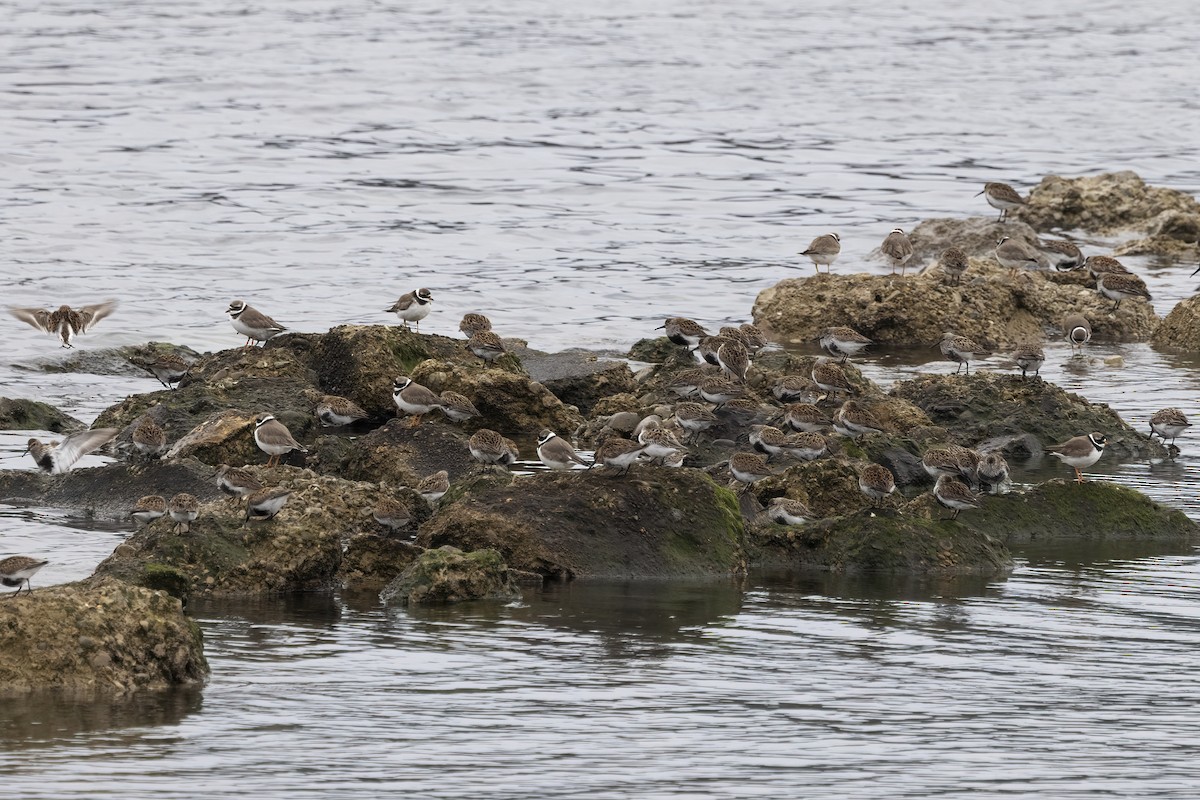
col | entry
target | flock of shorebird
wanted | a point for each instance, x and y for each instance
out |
(960, 473)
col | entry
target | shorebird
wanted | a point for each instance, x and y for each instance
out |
(1003, 197)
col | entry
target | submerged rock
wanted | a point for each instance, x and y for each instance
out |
(651, 523)
(991, 307)
(30, 415)
(97, 635)
(448, 575)
(985, 406)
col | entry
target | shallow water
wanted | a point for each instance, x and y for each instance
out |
(580, 173)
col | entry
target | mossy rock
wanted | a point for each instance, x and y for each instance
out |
(98, 635)
(653, 522)
(373, 560)
(1110, 203)
(985, 406)
(164, 578)
(872, 541)
(30, 415)
(399, 455)
(1095, 510)
(448, 575)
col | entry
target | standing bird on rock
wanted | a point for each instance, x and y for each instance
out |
(183, 508)
(66, 322)
(1080, 452)
(147, 509)
(236, 482)
(683, 331)
(1101, 265)
(59, 457)
(334, 411)
(829, 377)
(824, 250)
(843, 341)
(992, 472)
(1063, 256)
(960, 350)
(1077, 330)
(898, 250)
(486, 345)
(1015, 254)
(733, 358)
(853, 421)
(434, 487)
(618, 453)
(747, 468)
(391, 513)
(786, 511)
(274, 439)
(1029, 358)
(412, 307)
(149, 439)
(876, 482)
(489, 447)
(169, 368)
(954, 494)
(1117, 286)
(472, 324)
(954, 263)
(413, 398)
(458, 407)
(1003, 197)
(17, 570)
(555, 453)
(266, 503)
(1169, 424)
(252, 323)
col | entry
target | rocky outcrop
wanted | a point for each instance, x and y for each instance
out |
(400, 456)
(448, 575)
(108, 492)
(30, 415)
(975, 236)
(98, 635)
(579, 378)
(1110, 203)
(990, 306)
(651, 523)
(1180, 330)
(987, 406)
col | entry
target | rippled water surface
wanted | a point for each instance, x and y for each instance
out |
(579, 172)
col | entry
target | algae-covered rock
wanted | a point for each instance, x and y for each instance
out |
(653, 522)
(222, 554)
(870, 541)
(372, 560)
(400, 456)
(986, 405)
(990, 306)
(1180, 329)
(448, 575)
(97, 635)
(1059, 510)
(30, 415)
(1114, 202)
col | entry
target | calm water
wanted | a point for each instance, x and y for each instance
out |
(580, 172)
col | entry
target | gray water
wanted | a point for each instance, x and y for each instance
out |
(579, 172)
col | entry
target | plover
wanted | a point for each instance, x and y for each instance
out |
(1015, 254)
(274, 439)
(412, 307)
(252, 323)
(1077, 330)
(413, 398)
(66, 322)
(58, 457)
(556, 453)
(1080, 452)
(823, 250)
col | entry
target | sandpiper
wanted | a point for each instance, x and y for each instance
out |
(236, 482)
(843, 341)
(806, 446)
(1118, 286)
(805, 417)
(1015, 254)
(412, 307)
(731, 332)
(992, 472)
(853, 420)
(58, 457)
(148, 508)
(683, 331)
(1080, 452)
(458, 407)
(823, 250)
(556, 453)
(618, 453)
(66, 322)
(1063, 256)
(720, 391)
(829, 377)
(168, 368)
(183, 508)
(767, 439)
(960, 350)
(954, 263)
(686, 383)
(706, 350)
(391, 513)
(17, 570)
(149, 439)
(748, 467)
(876, 482)
(796, 389)
(694, 417)
(334, 411)
(486, 345)
(1029, 358)
(675, 460)
(898, 250)
(659, 442)
(413, 398)
(1077, 330)
(274, 439)
(954, 494)
(252, 323)
(1169, 423)
(266, 502)
(734, 359)
(939, 461)
(489, 447)
(755, 339)
(434, 487)
(1104, 265)
(786, 511)
(1001, 196)
(473, 323)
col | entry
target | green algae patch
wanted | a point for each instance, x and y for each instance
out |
(1096, 510)
(448, 575)
(880, 542)
(652, 523)
(163, 578)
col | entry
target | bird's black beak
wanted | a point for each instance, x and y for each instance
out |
(1197, 270)
(981, 191)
